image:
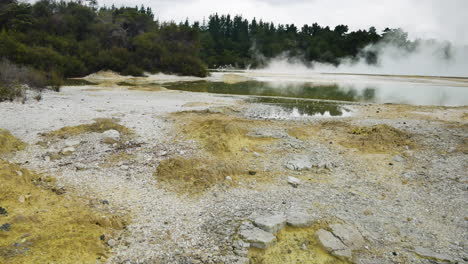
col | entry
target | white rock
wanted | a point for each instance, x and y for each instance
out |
(258, 238)
(349, 235)
(68, 150)
(80, 166)
(228, 178)
(112, 133)
(294, 181)
(299, 219)
(299, 163)
(398, 158)
(271, 224)
(72, 143)
(112, 242)
(124, 167)
(333, 244)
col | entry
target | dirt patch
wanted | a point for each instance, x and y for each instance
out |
(303, 132)
(192, 175)
(377, 139)
(221, 134)
(114, 159)
(42, 226)
(9, 143)
(224, 155)
(295, 245)
(99, 126)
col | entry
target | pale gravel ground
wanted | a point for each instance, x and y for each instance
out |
(167, 228)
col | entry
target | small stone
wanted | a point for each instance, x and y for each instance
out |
(72, 143)
(109, 141)
(398, 158)
(47, 158)
(19, 173)
(68, 150)
(124, 167)
(245, 149)
(228, 178)
(252, 173)
(21, 199)
(304, 247)
(80, 166)
(112, 242)
(257, 155)
(112, 133)
(299, 219)
(294, 181)
(271, 224)
(105, 202)
(258, 238)
(407, 175)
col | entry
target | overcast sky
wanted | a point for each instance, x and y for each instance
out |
(443, 19)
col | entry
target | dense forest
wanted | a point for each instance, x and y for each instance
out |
(75, 38)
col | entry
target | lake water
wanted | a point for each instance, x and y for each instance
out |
(306, 94)
(340, 87)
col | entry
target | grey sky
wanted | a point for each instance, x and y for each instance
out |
(444, 19)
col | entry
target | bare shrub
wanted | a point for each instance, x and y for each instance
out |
(14, 80)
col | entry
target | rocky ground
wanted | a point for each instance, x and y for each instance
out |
(205, 182)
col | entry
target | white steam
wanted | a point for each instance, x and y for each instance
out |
(428, 58)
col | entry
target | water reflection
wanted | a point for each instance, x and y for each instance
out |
(355, 89)
(284, 89)
(289, 108)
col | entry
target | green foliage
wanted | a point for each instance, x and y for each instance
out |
(75, 39)
(132, 70)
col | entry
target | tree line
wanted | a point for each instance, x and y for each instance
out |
(75, 38)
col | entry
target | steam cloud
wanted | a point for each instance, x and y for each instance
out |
(428, 58)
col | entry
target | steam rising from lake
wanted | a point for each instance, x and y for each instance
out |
(429, 58)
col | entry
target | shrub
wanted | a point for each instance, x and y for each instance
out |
(15, 79)
(55, 81)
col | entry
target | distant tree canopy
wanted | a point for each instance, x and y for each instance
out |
(75, 38)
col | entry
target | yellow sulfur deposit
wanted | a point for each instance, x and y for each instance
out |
(37, 225)
(8, 143)
(100, 125)
(295, 246)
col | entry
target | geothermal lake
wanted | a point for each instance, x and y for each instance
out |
(415, 90)
(304, 93)
(321, 94)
